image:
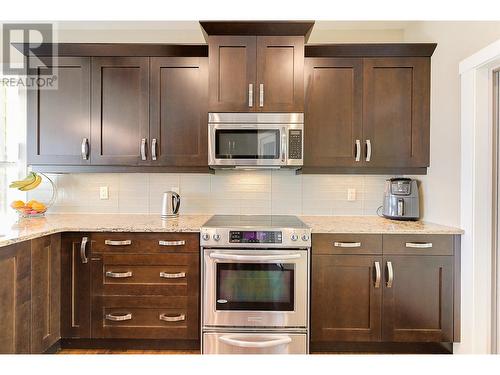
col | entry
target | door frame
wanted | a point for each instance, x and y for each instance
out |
(477, 200)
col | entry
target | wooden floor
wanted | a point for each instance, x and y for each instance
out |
(125, 351)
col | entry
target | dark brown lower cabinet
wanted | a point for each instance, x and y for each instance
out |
(15, 298)
(418, 303)
(75, 286)
(45, 292)
(346, 295)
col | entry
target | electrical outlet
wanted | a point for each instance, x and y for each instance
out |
(351, 194)
(103, 192)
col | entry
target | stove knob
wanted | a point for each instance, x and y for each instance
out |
(294, 237)
(205, 237)
(305, 237)
(216, 237)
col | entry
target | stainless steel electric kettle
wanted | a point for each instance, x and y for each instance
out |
(170, 204)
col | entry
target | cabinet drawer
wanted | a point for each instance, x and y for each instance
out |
(346, 243)
(145, 318)
(418, 244)
(126, 242)
(146, 274)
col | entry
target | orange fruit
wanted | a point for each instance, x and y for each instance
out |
(31, 203)
(17, 204)
(37, 206)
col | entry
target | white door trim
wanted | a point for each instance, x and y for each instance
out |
(476, 199)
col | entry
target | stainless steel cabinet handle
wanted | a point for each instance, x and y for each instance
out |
(143, 149)
(368, 150)
(250, 94)
(177, 318)
(118, 243)
(261, 95)
(377, 275)
(83, 250)
(118, 318)
(172, 243)
(85, 149)
(419, 245)
(118, 275)
(358, 150)
(283, 144)
(178, 275)
(390, 272)
(153, 149)
(347, 244)
(274, 341)
(259, 258)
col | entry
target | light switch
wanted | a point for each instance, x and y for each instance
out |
(351, 195)
(103, 192)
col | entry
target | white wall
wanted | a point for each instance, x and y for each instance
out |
(456, 41)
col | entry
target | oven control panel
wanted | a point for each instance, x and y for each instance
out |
(257, 236)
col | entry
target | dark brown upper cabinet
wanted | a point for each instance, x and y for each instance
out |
(367, 114)
(59, 119)
(256, 73)
(396, 100)
(333, 112)
(120, 110)
(178, 110)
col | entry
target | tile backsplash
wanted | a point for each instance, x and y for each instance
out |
(225, 192)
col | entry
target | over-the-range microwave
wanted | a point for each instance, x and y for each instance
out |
(255, 140)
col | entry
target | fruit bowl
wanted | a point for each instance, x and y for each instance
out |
(33, 208)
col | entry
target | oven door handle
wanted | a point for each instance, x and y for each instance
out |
(280, 340)
(263, 258)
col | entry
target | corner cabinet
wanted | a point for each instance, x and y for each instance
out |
(385, 288)
(367, 115)
(256, 73)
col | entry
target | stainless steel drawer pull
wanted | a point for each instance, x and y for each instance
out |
(377, 275)
(153, 149)
(177, 318)
(143, 149)
(390, 278)
(118, 275)
(118, 243)
(166, 275)
(118, 318)
(419, 245)
(172, 243)
(347, 244)
(368, 150)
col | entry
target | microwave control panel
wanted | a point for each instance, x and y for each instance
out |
(295, 144)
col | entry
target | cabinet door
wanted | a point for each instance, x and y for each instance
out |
(346, 298)
(418, 303)
(179, 111)
(45, 292)
(396, 111)
(232, 73)
(333, 112)
(75, 288)
(15, 298)
(59, 119)
(120, 110)
(280, 73)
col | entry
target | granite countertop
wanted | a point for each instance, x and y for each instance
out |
(13, 230)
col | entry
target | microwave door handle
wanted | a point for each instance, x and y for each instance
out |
(258, 258)
(231, 340)
(283, 145)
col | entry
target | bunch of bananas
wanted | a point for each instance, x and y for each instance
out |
(31, 181)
